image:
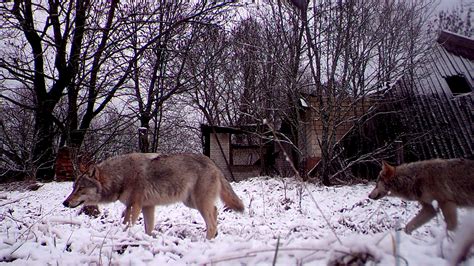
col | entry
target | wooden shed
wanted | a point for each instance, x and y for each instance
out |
(244, 151)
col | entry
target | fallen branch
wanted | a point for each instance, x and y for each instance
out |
(13, 201)
(61, 220)
(254, 253)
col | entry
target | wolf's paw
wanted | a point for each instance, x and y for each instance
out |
(90, 210)
(210, 236)
(450, 236)
(153, 234)
(126, 226)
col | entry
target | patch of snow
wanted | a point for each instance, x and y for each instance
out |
(36, 229)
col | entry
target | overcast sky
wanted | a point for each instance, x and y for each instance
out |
(447, 4)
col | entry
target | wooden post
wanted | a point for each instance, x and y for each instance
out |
(399, 151)
(214, 132)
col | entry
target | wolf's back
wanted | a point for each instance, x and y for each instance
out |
(461, 174)
(453, 178)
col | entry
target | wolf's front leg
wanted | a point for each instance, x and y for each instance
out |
(131, 213)
(426, 213)
(449, 212)
(135, 211)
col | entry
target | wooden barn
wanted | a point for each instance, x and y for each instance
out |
(430, 116)
(312, 126)
(426, 115)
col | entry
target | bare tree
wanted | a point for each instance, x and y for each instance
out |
(250, 72)
(457, 20)
(16, 131)
(159, 73)
(215, 94)
(355, 49)
(82, 49)
(41, 54)
(268, 48)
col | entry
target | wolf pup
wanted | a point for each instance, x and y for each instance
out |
(449, 182)
(143, 180)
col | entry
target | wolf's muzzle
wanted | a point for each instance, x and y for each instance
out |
(375, 195)
(67, 204)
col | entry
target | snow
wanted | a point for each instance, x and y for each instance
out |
(36, 229)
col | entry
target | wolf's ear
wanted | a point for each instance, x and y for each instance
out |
(388, 170)
(93, 172)
(83, 168)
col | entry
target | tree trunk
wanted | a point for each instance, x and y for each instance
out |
(42, 151)
(143, 143)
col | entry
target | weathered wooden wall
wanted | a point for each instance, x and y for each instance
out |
(420, 111)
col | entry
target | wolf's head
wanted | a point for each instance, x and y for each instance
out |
(86, 189)
(381, 189)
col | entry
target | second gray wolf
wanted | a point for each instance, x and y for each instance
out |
(143, 180)
(448, 181)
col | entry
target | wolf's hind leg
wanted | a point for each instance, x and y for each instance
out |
(427, 213)
(449, 212)
(149, 218)
(209, 213)
(126, 215)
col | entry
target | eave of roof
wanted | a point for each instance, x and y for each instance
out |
(457, 44)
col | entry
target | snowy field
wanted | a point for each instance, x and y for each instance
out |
(284, 223)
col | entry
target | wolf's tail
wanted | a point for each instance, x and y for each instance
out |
(229, 197)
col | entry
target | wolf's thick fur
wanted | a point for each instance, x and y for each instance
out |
(143, 180)
(449, 182)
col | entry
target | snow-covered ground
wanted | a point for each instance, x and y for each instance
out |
(284, 222)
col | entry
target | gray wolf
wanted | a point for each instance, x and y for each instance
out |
(448, 181)
(143, 180)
